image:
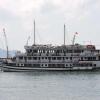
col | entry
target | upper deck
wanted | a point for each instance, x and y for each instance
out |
(58, 50)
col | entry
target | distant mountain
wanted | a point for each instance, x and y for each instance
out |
(3, 53)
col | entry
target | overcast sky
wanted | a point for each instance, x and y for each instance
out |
(17, 17)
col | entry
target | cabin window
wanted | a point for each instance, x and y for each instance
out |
(25, 58)
(35, 51)
(90, 64)
(58, 58)
(49, 58)
(22, 64)
(85, 58)
(77, 51)
(66, 65)
(99, 57)
(81, 58)
(94, 64)
(34, 58)
(46, 65)
(52, 51)
(42, 57)
(39, 58)
(88, 58)
(43, 51)
(82, 51)
(30, 65)
(29, 58)
(66, 57)
(94, 58)
(70, 58)
(69, 51)
(20, 58)
(29, 51)
(45, 57)
(39, 51)
(53, 58)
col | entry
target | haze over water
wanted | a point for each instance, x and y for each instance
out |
(50, 86)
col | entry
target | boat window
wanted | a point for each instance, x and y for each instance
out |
(45, 64)
(39, 51)
(49, 58)
(29, 51)
(66, 64)
(34, 58)
(70, 64)
(94, 64)
(30, 65)
(77, 51)
(70, 58)
(99, 57)
(90, 64)
(29, 58)
(53, 58)
(43, 51)
(66, 57)
(45, 57)
(94, 58)
(22, 64)
(35, 51)
(58, 58)
(20, 58)
(70, 51)
(85, 58)
(82, 51)
(42, 57)
(81, 58)
(39, 58)
(53, 51)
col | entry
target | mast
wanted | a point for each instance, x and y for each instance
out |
(73, 39)
(6, 42)
(64, 33)
(34, 32)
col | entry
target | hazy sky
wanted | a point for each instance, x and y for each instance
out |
(17, 17)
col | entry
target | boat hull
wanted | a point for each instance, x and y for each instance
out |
(29, 69)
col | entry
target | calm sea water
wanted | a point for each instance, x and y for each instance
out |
(50, 85)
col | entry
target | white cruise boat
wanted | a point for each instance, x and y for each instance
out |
(55, 58)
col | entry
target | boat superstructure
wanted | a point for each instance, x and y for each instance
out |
(48, 57)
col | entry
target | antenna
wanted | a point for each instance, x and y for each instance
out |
(64, 32)
(34, 32)
(6, 42)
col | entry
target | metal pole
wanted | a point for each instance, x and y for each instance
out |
(34, 32)
(64, 33)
